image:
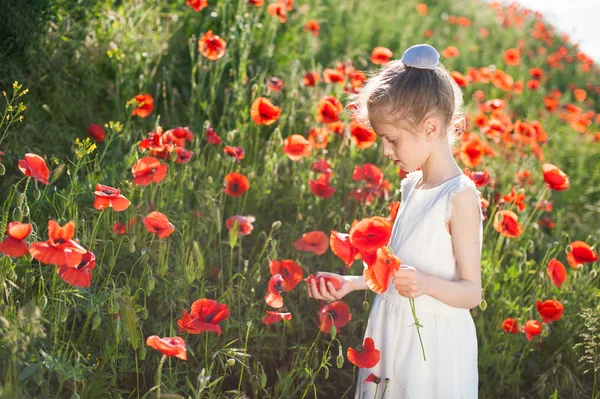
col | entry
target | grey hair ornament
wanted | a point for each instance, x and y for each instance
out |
(421, 56)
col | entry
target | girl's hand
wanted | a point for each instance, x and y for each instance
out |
(318, 289)
(410, 282)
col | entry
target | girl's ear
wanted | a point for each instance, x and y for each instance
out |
(432, 127)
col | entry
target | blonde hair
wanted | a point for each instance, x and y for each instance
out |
(399, 92)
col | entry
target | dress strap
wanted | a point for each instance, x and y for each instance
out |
(464, 183)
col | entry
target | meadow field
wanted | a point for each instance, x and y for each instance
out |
(172, 172)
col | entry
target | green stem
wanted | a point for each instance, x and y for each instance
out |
(412, 307)
(244, 361)
(158, 375)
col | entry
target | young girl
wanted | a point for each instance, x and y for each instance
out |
(413, 106)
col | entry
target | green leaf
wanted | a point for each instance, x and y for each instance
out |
(333, 331)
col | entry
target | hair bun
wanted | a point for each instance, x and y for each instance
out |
(421, 56)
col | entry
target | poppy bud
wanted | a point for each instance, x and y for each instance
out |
(25, 211)
(231, 135)
(197, 164)
(254, 90)
(231, 362)
(46, 108)
(276, 225)
(209, 179)
(37, 193)
(21, 198)
(144, 314)
(365, 305)
(17, 214)
(96, 321)
(2, 170)
(251, 175)
(593, 274)
(131, 247)
(190, 184)
(142, 350)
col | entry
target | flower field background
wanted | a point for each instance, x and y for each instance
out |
(173, 172)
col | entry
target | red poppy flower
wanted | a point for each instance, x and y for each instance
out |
(472, 152)
(555, 178)
(506, 223)
(291, 272)
(244, 224)
(422, 9)
(514, 198)
(372, 378)
(197, 5)
(377, 271)
(329, 109)
(278, 10)
(313, 241)
(333, 76)
(263, 112)
(480, 179)
(59, 249)
(274, 317)
(14, 242)
(158, 223)
(381, 55)
(170, 346)
(510, 325)
(33, 165)
(256, 3)
(369, 234)
(393, 208)
(110, 197)
(531, 329)
(361, 135)
(274, 289)
(274, 83)
(322, 166)
(204, 316)
(321, 187)
(178, 136)
(337, 311)
(512, 57)
(144, 105)
(235, 184)
(212, 137)
(550, 310)
(80, 275)
(183, 155)
(313, 27)
(212, 46)
(318, 138)
(119, 228)
(311, 79)
(148, 170)
(557, 272)
(96, 132)
(579, 253)
(342, 247)
(157, 146)
(296, 147)
(328, 279)
(369, 173)
(365, 356)
(236, 153)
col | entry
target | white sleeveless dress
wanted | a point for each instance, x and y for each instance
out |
(420, 239)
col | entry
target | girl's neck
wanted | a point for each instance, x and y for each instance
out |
(439, 167)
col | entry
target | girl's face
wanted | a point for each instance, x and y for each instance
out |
(406, 148)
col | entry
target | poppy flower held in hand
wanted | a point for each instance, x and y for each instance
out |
(328, 279)
(110, 197)
(59, 249)
(377, 274)
(365, 356)
(158, 223)
(14, 243)
(33, 165)
(263, 112)
(342, 247)
(170, 346)
(204, 316)
(212, 46)
(80, 275)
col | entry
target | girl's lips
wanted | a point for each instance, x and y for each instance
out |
(397, 163)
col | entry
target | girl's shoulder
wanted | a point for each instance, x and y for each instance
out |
(463, 183)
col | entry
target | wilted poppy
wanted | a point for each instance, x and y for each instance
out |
(329, 109)
(339, 311)
(274, 289)
(580, 253)
(148, 170)
(510, 325)
(313, 241)
(80, 275)
(59, 249)
(342, 247)
(14, 243)
(144, 105)
(506, 223)
(33, 165)
(377, 272)
(263, 112)
(372, 378)
(557, 272)
(365, 356)
(96, 132)
(244, 224)
(291, 272)
(550, 310)
(297, 147)
(236, 152)
(531, 329)
(110, 197)
(235, 184)
(555, 178)
(274, 317)
(369, 234)
(381, 55)
(322, 166)
(170, 346)
(212, 46)
(212, 137)
(158, 223)
(204, 316)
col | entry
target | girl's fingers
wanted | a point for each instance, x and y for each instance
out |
(326, 293)
(315, 291)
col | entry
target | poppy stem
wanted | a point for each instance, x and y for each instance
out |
(158, 375)
(414, 312)
(206, 352)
